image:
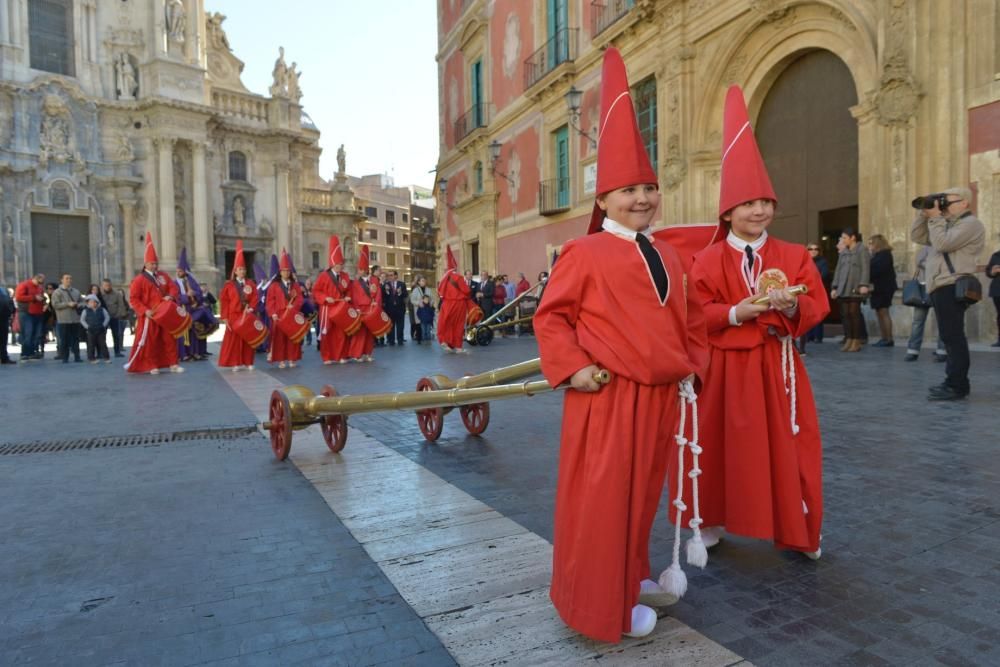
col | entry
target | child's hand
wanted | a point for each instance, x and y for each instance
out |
(583, 379)
(748, 310)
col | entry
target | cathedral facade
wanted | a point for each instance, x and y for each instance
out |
(118, 118)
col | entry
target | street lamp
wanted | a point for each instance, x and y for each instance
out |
(495, 148)
(574, 98)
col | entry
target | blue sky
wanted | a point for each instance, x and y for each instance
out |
(369, 79)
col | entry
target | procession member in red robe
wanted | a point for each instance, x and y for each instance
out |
(617, 300)
(332, 286)
(364, 291)
(154, 348)
(454, 294)
(239, 296)
(762, 459)
(284, 299)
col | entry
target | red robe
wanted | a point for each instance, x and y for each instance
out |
(760, 480)
(454, 293)
(235, 352)
(601, 307)
(279, 306)
(363, 342)
(333, 344)
(154, 347)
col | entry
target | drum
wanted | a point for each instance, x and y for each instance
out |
(294, 326)
(377, 321)
(173, 317)
(473, 314)
(250, 329)
(343, 316)
(203, 322)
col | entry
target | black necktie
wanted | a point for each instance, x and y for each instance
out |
(655, 264)
(749, 251)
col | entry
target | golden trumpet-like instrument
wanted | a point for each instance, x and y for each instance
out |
(794, 290)
(481, 333)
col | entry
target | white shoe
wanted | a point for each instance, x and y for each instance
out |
(368, 359)
(176, 369)
(814, 555)
(652, 594)
(342, 361)
(461, 350)
(328, 363)
(291, 364)
(236, 369)
(281, 364)
(155, 371)
(250, 367)
(643, 621)
(711, 535)
(446, 347)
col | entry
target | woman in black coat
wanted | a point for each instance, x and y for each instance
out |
(883, 277)
(993, 273)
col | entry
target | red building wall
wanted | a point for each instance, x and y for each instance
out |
(984, 128)
(526, 252)
(525, 145)
(453, 93)
(511, 42)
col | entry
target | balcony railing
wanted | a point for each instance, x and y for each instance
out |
(237, 105)
(553, 196)
(603, 13)
(317, 198)
(473, 119)
(560, 48)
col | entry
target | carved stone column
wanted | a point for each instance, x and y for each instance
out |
(281, 206)
(4, 23)
(168, 233)
(128, 236)
(202, 232)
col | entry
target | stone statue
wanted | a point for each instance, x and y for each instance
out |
(215, 32)
(125, 77)
(125, 151)
(280, 75)
(294, 91)
(341, 160)
(238, 211)
(176, 20)
(8, 228)
(112, 240)
(55, 132)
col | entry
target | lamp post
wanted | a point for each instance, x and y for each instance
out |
(573, 99)
(495, 149)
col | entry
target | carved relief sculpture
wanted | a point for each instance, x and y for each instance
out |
(55, 140)
(176, 21)
(125, 151)
(126, 82)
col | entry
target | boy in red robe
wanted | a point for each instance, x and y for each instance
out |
(620, 300)
(454, 294)
(239, 297)
(154, 348)
(365, 291)
(332, 286)
(762, 458)
(284, 299)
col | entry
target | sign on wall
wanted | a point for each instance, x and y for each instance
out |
(589, 178)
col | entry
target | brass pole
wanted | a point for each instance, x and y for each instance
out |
(794, 290)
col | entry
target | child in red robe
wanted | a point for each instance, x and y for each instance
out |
(619, 300)
(284, 299)
(453, 291)
(762, 459)
(238, 299)
(333, 286)
(365, 291)
(154, 347)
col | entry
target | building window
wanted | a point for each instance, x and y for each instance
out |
(390, 259)
(237, 166)
(50, 33)
(561, 137)
(390, 238)
(477, 177)
(373, 235)
(315, 257)
(404, 218)
(371, 212)
(373, 255)
(406, 238)
(406, 260)
(390, 217)
(644, 96)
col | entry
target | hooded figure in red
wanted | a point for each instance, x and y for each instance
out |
(284, 299)
(454, 294)
(366, 295)
(333, 287)
(236, 306)
(154, 348)
(762, 472)
(618, 299)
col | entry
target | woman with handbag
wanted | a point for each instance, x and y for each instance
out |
(851, 286)
(883, 277)
(915, 296)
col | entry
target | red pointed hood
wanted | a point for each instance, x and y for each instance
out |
(621, 154)
(238, 261)
(363, 260)
(150, 253)
(335, 256)
(744, 176)
(285, 263)
(452, 263)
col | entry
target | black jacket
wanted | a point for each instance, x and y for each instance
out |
(394, 297)
(994, 280)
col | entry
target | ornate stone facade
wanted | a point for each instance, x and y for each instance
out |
(925, 74)
(146, 126)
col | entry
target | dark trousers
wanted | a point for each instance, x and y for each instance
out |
(69, 340)
(850, 316)
(996, 304)
(4, 331)
(396, 332)
(97, 344)
(951, 330)
(117, 334)
(31, 334)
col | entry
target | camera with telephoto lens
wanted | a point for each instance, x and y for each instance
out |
(938, 199)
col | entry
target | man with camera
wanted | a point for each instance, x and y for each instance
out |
(956, 237)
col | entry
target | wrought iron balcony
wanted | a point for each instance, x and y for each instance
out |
(604, 13)
(553, 196)
(562, 47)
(473, 119)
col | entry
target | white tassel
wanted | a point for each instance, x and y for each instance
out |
(788, 377)
(674, 581)
(697, 553)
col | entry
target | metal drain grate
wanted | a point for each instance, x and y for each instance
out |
(115, 441)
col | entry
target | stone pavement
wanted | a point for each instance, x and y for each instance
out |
(910, 572)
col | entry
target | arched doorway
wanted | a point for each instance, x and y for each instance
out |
(809, 141)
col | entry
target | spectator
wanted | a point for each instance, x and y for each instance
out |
(6, 313)
(483, 292)
(117, 307)
(66, 301)
(522, 285)
(920, 315)
(31, 303)
(956, 238)
(394, 300)
(417, 294)
(95, 320)
(48, 320)
(425, 313)
(815, 334)
(499, 297)
(850, 287)
(993, 272)
(883, 279)
(308, 304)
(511, 289)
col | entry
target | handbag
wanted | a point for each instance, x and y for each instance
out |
(915, 294)
(968, 289)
